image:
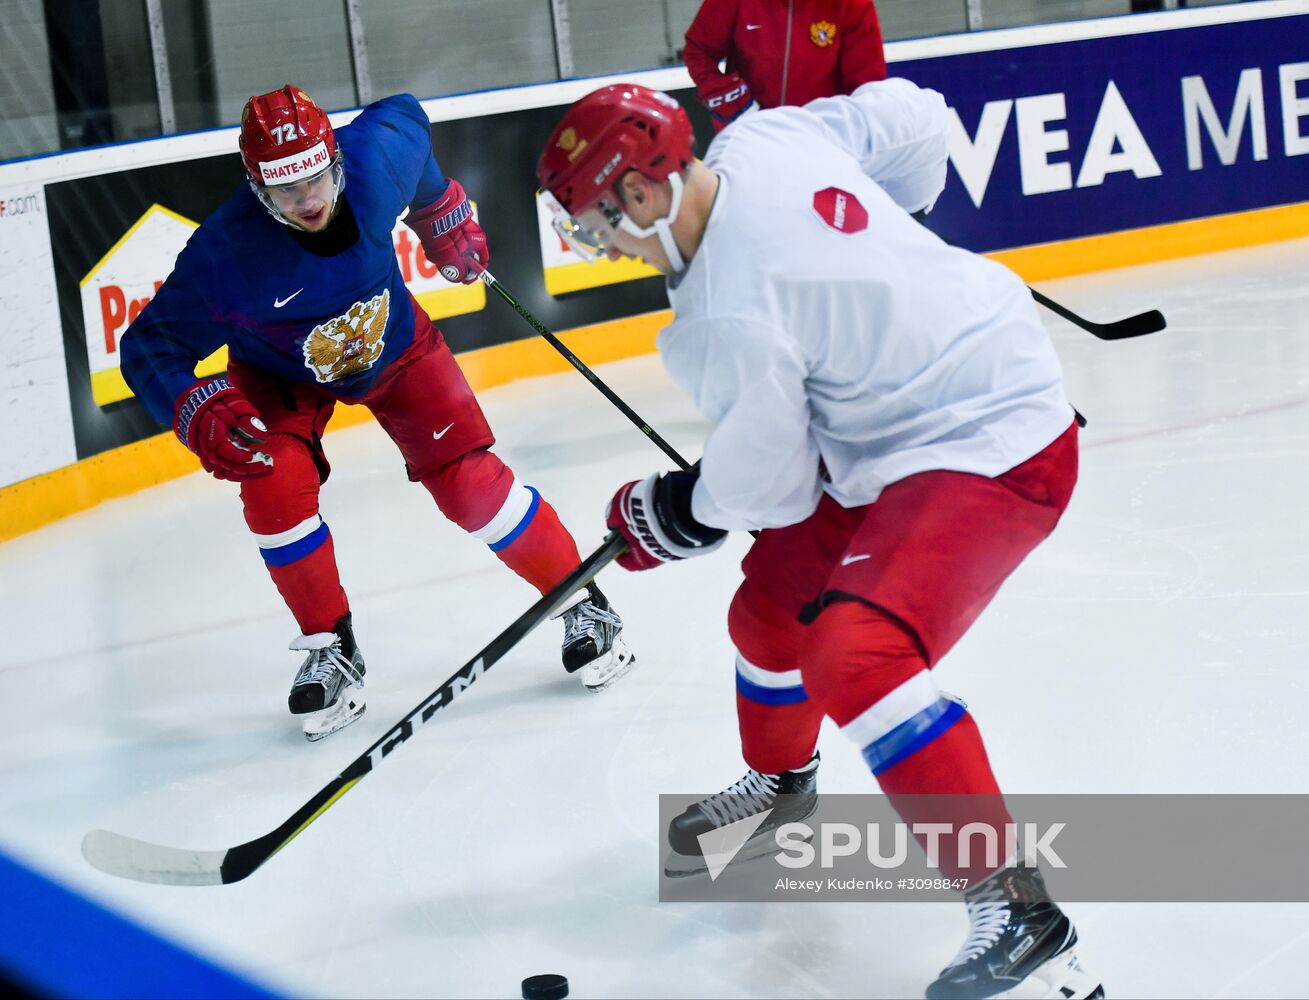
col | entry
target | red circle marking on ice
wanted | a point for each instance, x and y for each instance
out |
(841, 210)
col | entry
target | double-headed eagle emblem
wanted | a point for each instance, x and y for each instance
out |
(350, 343)
(822, 33)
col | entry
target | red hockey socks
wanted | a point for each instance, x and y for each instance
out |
(282, 511)
(308, 582)
(779, 723)
(481, 495)
(921, 744)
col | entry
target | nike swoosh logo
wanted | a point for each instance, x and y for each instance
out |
(278, 303)
(441, 433)
(752, 27)
(853, 559)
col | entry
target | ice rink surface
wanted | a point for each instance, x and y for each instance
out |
(1156, 643)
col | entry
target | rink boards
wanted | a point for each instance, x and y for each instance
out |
(1074, 147)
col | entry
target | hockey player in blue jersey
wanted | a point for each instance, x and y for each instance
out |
(297, 274)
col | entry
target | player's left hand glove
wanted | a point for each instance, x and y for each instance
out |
(655, 517)
(451, 237)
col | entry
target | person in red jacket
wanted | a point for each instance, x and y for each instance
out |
(781, 52)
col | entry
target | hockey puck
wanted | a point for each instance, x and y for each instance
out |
(547, 987)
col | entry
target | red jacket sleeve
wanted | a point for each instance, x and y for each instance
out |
(709, 39)
(862, 59)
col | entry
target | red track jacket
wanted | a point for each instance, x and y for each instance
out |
(788, 51)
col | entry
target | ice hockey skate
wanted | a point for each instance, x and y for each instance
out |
(328, 690)
(791, 795)
(593, 642)
(1020, 945)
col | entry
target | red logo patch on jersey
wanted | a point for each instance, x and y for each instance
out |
(841, 210)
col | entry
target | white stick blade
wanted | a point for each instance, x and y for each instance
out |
(125, 857)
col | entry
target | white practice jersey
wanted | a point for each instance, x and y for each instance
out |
(818, 321)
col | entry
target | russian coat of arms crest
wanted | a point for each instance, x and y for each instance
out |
(822, 33)
(350, 343)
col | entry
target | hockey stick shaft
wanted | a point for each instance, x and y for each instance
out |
(1132, 326)
(145, 862)
(489, 279)
(1151, 321)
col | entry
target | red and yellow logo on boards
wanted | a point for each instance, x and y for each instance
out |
(126, 278)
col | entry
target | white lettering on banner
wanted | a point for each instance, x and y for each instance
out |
(1117, 144)
(1247, 105)
(974, 159)
(1115, 126)
(1295, 142)
(1036, 143)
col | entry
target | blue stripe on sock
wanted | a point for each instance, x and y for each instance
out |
(769, 696)
(913, 734)
(522, 525)
(284, 555)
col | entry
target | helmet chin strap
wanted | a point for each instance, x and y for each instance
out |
(662, 227)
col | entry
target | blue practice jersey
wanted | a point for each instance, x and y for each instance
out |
(244, 280)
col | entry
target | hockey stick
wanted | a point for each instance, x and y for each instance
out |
(1132, 326)
(1139, 325)
(489, 279)
(145, 862)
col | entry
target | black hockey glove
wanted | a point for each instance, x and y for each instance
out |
(654, 515)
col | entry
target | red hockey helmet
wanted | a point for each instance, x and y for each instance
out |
(608, 132)
(285, 138)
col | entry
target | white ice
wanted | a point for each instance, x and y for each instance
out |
(1157, 642)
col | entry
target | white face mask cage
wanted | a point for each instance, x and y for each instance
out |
(590, 235)
(338, 185)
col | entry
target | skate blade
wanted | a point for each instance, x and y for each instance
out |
(1061, 978)
(347, 708)
(601, 672)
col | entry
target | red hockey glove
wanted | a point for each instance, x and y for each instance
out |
(451, 237)
(727, 99)
(218, 423)
(655, 517)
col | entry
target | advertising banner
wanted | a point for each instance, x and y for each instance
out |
(122, 283)
(1059, 132)
(1076, 138)
(33, 390)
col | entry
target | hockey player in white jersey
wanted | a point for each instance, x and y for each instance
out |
(886, 409)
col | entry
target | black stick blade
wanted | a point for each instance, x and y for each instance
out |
(1134, 326)
(1123, 329)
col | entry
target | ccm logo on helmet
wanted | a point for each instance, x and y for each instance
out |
(607, 169)
(841, 210)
